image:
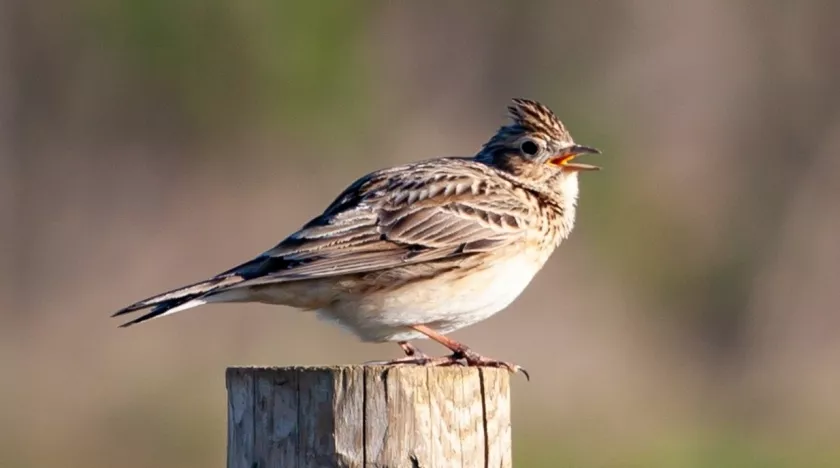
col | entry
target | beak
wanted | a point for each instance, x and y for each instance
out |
(580, 149)
(566, 158)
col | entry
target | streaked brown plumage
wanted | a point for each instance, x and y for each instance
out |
(422, 249)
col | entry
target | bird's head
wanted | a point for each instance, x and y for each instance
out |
(536, 146)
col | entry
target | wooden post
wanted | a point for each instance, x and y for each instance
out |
(368, 416)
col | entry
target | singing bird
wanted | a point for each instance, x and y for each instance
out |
(423, 249)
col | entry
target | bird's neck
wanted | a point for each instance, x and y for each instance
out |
(567, 204)
(558, 199)
(556, 192)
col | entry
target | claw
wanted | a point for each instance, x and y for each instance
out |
(474, 359)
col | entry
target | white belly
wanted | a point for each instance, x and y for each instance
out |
(443, 303)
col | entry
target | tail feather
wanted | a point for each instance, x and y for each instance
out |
(178, 299)
(159, 310)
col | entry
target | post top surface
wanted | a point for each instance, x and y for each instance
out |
(369, 367)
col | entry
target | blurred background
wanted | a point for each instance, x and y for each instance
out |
(690, 321)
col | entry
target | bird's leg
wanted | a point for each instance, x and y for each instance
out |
(410, 349)
(460, 351)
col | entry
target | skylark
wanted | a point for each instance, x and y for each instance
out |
(423, 249)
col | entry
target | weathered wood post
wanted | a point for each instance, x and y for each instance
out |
(361, 416)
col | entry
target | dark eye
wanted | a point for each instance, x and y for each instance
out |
(529, 147)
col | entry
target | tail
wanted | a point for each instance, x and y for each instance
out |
(179, 299)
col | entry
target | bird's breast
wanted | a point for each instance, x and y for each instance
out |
(451, 300)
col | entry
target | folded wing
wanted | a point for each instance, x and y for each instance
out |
(400, 216)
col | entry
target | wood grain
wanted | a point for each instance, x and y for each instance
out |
(368, 416)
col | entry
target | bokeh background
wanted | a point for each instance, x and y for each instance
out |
(690, 321)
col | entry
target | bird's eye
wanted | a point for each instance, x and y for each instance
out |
(529, 147)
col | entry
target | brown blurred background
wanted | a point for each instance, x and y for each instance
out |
(690, 321)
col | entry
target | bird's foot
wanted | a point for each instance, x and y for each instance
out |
(476, 360)
(460, 358)
(413, 355)
(417, 360)
(461, 352)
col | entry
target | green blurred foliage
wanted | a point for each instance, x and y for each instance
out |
(278, 64)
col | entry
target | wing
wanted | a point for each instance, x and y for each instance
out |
(425, 212)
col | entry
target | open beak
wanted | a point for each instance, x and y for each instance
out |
(566, 158)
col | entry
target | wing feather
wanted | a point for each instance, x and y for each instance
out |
(399, 217)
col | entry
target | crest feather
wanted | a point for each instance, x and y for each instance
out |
(532, 116)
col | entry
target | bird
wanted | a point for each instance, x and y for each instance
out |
(419, 250)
